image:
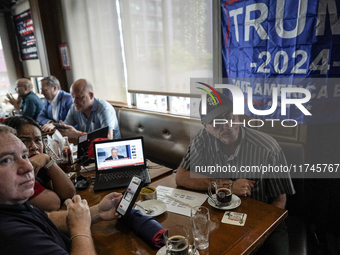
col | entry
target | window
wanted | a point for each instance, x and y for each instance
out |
(95, 46)
(175, 50)
(157, 44)
(151, 102)
(180, 105)
(7, 68)
(180, 48)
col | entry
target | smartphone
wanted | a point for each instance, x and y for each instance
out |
(130, 195)
(58, 125)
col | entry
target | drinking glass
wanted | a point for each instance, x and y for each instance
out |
(200, 220)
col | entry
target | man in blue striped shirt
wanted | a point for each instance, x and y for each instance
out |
(228, 149)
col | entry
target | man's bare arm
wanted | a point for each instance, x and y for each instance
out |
(105, 210)
(110, 134)
(191, 181)
(280, 201)
(69, 131)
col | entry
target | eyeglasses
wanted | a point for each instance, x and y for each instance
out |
(229, 116)
(44, 90)
(19, 86)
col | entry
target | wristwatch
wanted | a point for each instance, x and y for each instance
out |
(49, 164)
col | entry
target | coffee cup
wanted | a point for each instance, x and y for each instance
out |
(177, 241)
(223, 191)
(148, 193)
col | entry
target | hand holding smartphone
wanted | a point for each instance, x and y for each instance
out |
(130, 195)
(58, 125)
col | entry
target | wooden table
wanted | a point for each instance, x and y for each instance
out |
(156, 172)
(262, 219)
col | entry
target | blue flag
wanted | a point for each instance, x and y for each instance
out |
(282, 44)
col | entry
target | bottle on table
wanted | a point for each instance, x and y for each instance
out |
(66, 155)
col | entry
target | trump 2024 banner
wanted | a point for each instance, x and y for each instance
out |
(284, 44)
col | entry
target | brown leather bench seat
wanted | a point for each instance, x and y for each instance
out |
(166, 137)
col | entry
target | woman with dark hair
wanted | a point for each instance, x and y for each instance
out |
(49, 195)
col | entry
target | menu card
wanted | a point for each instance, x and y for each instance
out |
(188, 197)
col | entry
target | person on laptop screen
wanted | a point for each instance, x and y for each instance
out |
(88, 113)
(114, 155)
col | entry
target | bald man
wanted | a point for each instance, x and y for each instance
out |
(30, 104)
(88, 113)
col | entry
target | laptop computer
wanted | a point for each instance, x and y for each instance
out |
(85, 140)
(117, 161)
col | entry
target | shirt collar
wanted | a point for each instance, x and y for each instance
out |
(55, 99)
(95, 105)
(16, 208)
(24, 97)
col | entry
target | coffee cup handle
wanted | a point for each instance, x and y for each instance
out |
(209, 189)
(192, 249)
(168, 249)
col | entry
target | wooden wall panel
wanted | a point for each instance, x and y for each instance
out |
(54, 33)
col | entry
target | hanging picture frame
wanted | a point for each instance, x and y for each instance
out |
(64, 56)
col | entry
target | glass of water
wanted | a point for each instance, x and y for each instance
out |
(200, 220)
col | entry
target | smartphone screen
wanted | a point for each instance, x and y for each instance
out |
(130, 195)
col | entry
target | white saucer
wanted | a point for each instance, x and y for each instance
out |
(235, 202)
(162, 251)
(158, 206)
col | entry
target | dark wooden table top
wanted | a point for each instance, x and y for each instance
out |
(112, 238)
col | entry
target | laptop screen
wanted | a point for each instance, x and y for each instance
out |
(118, 154)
